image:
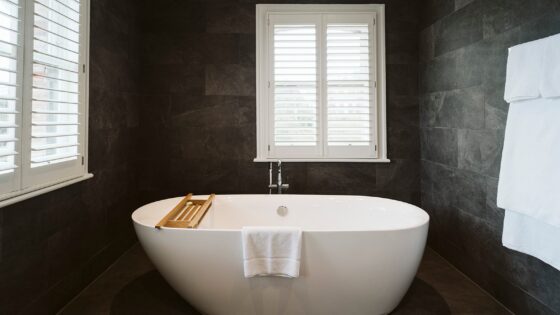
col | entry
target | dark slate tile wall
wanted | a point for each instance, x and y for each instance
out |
(463, 51)
(198, 111)
(53, 245)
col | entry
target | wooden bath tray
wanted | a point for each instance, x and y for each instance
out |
(187, 214)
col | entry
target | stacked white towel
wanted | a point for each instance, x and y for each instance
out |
(524, 69)
(530, 174)
(550, 85)
(271, 251)
(531, 236)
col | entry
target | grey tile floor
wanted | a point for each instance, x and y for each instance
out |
(133, 286)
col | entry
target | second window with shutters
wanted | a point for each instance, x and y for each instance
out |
(43, 95)
(321, 83)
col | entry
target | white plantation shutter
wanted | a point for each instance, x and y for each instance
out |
(350, 86)
(57, 91)
(322, 86)
(294, 85)
(11, 68)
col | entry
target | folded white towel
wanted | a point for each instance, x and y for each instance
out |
(531, 236)
(271, 251)
(530, 174)
(524, 71)
(550, 83)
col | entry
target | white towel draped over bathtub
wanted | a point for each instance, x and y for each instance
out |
(271, 251)
(529, 185)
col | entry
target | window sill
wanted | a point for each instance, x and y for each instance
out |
(324, 160)
(10, 199)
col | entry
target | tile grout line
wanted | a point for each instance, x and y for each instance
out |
(472, 281)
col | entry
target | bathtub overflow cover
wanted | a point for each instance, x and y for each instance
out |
(282, 211)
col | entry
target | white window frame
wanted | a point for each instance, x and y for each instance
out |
(263, 72)
(28, 182)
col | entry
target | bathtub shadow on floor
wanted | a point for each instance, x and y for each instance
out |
(150, 294)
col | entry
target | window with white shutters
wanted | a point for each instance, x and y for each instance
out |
(43, 108)
(320, 83)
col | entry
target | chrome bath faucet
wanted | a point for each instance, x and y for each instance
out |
(278, 186)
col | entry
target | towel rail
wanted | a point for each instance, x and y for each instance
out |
(187, 213)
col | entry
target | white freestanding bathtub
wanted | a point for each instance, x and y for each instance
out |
(359, 254)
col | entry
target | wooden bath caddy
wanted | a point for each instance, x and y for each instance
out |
(187, 214)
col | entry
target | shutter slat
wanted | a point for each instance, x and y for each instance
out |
(54, 101)
(42, 48)
(47, 12)
(61, 9)
(54, 28)
(69, 90)
(8, 153)
(3, 27)
(4, 167)
(55, 35)
(46, 71)
(54, 124)
(52, 146)
(13, 44)
(54, 135)
(51, 61)
(54, 112)
(54, 157)
(60, 44)
(70, 4)
(10, 8)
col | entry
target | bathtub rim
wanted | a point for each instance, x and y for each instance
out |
(425, 220)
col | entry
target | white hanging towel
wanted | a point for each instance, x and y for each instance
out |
(529, 185)
(530, 171)
(271, 251)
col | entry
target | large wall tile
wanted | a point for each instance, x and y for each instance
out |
(233, 80)
(438, 74)
(231, 17)
(434, 10)
(480, 151)
(440, 145)
(459, 29)
(23, 277)
(502, 15)
(454, 109)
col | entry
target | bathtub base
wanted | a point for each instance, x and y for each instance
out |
(206, 269)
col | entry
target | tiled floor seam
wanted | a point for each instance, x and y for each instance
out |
(96, 279)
